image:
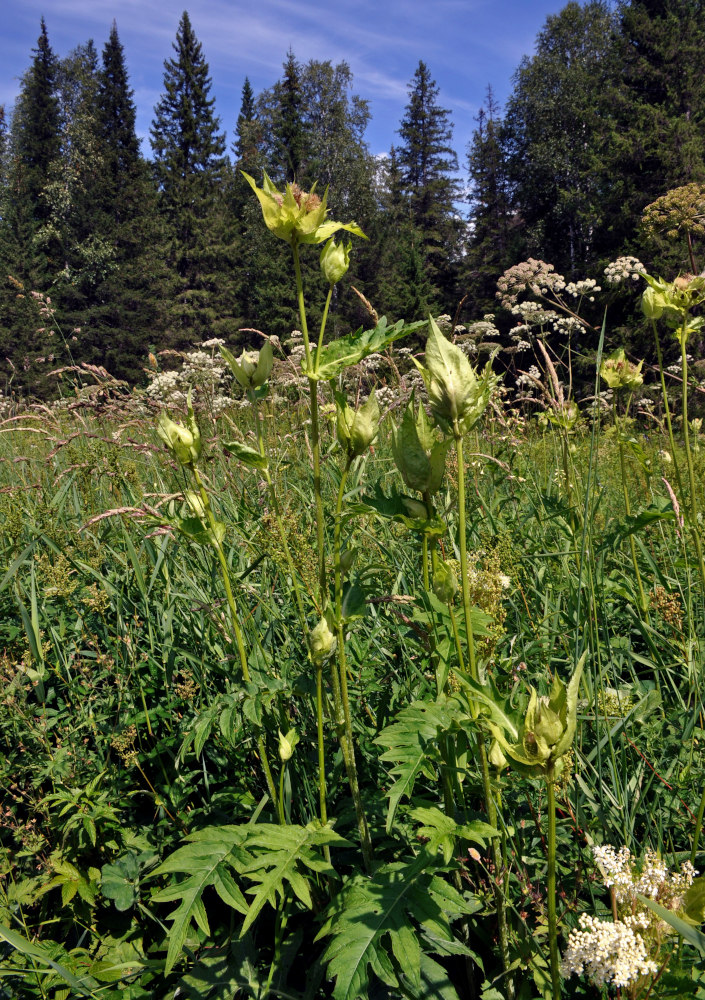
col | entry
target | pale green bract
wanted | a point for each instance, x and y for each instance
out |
(252, 368)
(356, 429)
(419, 457)
(297, 216)
(457, 394)
(183, 442)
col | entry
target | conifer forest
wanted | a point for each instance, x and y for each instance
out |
(352, 531)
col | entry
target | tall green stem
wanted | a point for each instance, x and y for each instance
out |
(490, 803)
(693, 500)
(551, 887)
(323, 809)
(315, 433)
(235, 623)
(627, 508)
(346, 742)
(320, 525)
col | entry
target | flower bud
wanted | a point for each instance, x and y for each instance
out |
(418, 456)
(458, 396)
(357, 429)
(347, 558)
(496, 757)
(445, 582)
(252, 368)
(183, 442)
(619, 373)
(195, 503)
(287, 744)
(322, 642)
(335, 260)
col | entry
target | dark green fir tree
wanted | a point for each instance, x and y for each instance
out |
(429, 165)
(190, 170)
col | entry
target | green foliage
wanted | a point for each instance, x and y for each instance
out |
(373, 927)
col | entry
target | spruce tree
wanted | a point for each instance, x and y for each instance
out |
(190, 170)
(125, 312)
(32, 147)
(403, 290)
(660, 112)
(558, 127)
(248, 132)
(428, 163)
(492, 240)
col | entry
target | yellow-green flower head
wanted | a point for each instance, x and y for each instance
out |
(322, 642)
(183, 442)
(619, 373)
(195, 503)
(335, 260)
(445, 581)
(252, 368)
(457, 394)
(673, 301)
(547, 731)
(356, 429)
(297, 216)
(419, 457)
(287, 744)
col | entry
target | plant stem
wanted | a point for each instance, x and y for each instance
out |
(235, 623)
(304, 625)
(693, 500)
(346, 737)
(551, 887)
(627, 508)
(315, 433)
(490, 803)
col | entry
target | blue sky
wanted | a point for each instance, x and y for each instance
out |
(465, 43)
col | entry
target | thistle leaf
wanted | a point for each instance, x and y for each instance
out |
(246, 454)
(349, 350)
(412, 743)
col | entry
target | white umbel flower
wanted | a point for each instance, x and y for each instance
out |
(610, 953)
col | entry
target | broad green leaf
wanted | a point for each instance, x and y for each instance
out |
(246, 454)
(205, 862)
(412, 746)
(372, 917)
(278, 853)
(349, 350)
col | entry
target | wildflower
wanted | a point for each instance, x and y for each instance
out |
(335, 260)
(183, 442)
(357, 429)
(287, 743)
(252, 368)
(297, 216)
(445, 581)
(418, 456)
(619, 373)
(322, 642)
(610, 952)
(458, 396)
(547, 731)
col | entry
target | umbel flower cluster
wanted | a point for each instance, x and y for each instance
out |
(620, 952)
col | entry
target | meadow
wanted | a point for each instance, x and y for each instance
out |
(345, 669)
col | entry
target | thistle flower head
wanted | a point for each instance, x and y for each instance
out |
(183, 442)
(419, 457)
(620, 373)
(457, 394)
(295, 215)
(356, 429)
(252, 368)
